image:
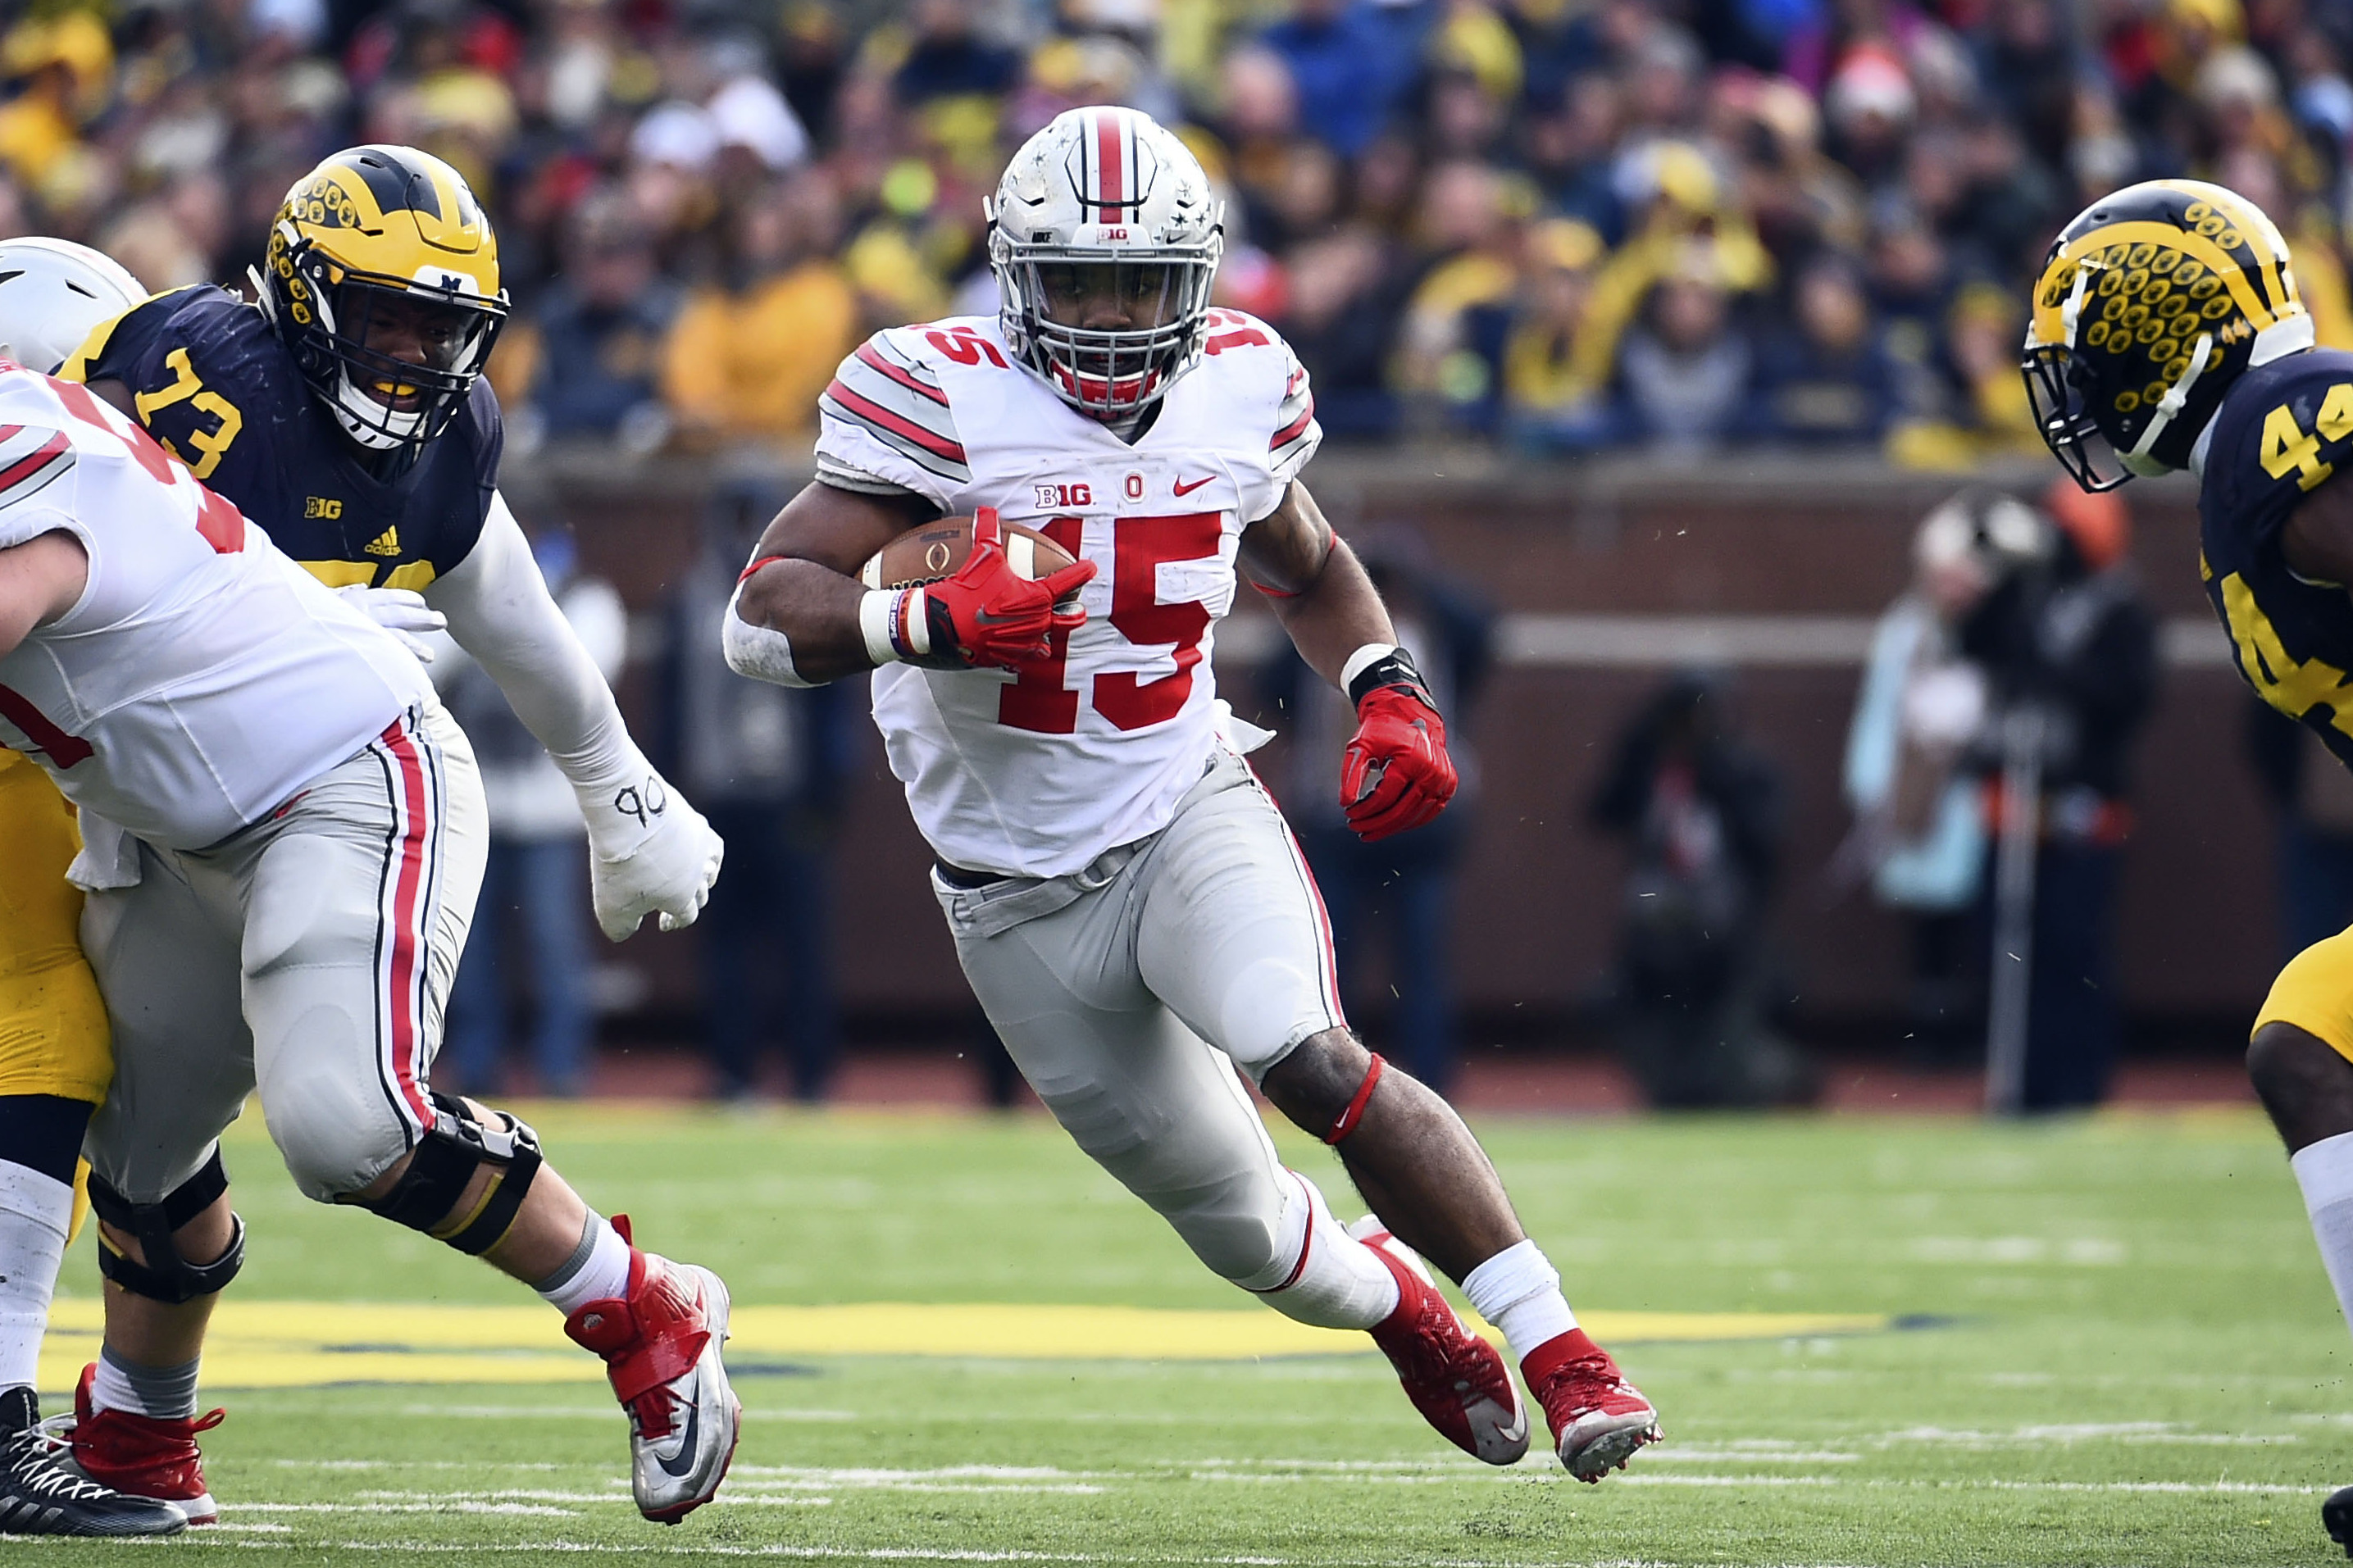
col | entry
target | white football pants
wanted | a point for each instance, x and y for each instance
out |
(1127, 993)
(307, 956)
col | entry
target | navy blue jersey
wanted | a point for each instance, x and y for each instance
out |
(2286, 429)
(212, 382)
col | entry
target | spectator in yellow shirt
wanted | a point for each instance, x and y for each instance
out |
(746, 363)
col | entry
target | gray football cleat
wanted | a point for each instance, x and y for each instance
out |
(660, 1343)
(43, 1493)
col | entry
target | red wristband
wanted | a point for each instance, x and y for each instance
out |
(1356, 1111)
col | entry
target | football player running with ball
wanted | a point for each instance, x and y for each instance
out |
(346, 416)
(2167, 334)
(1124, 894)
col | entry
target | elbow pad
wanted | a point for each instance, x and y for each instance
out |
(761, 652)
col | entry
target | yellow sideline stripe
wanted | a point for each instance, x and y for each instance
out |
(285, 1345)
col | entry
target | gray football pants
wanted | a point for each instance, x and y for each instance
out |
(306, 957)
(1127, 993)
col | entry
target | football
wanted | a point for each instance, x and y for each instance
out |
(936, 550)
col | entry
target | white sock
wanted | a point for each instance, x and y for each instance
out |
(1518, 1290)
(35, 1209)
(165, 1393)
(2324, 1171)
(1322, 1275)
(597, 1271)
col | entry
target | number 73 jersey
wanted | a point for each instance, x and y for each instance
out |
(1036, 776)
(2285, 430)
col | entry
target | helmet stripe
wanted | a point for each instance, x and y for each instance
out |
(441, 180)
(1111, 188)
(2247, 290)
(2261, 235)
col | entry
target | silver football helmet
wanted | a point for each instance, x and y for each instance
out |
(1104, 238)
(53, 295)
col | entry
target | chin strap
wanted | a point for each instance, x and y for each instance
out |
(2176, 398)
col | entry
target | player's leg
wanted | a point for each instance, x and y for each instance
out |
(165, 959)
(1232, 937)
(356, 904)
(804, 913)
(54, 1068)
(553, 877)
(1162, 1112)
(732, 938)
(2300, 1060)
(474, 1041)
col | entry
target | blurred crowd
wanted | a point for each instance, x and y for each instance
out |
(1558, 224)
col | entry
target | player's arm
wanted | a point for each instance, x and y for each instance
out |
(41, 580)
(801, 617)
(651, 853)
(2318, 538)
(1395, 774)
(801, 589)
(109, 389)
(1318, 588)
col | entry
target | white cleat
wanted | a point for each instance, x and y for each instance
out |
(661, 1349)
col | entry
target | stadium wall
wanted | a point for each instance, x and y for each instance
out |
(1608, 575)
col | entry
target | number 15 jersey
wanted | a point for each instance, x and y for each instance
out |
(2284, 428)
(1037, 775)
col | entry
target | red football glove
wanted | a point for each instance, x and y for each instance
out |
(1395, 774)
(988, 616)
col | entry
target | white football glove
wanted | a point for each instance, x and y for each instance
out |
(403, 612)
(650, 853)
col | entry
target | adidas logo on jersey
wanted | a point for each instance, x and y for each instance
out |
(386, 543)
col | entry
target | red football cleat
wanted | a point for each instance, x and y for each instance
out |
(660, 1344)
(1457, 1380)
(1597, 1418)
(143, 1456)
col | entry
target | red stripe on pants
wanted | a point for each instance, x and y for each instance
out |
(407, 919)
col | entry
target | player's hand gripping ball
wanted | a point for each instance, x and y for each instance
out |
(988, 596)
(1395, 774)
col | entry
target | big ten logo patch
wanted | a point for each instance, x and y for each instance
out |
(1053, 497)
(325, 507)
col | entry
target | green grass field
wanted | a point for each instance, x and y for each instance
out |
(2111, 1343)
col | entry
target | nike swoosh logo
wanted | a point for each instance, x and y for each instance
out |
(1182, 488)
(677, 1467)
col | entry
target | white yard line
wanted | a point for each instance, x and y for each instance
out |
(597, 1412)
(942, 1555)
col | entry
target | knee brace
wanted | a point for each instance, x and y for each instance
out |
(167, 1276)
(442, 1166)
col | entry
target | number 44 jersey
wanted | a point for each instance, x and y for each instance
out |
(2286, 429)
(1036, 776)
(202, 679)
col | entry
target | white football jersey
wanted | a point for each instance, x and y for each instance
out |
(202, 679)
(1036, 777)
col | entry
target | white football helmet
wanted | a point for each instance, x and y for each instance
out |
(53, 295)
(1104, 239)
